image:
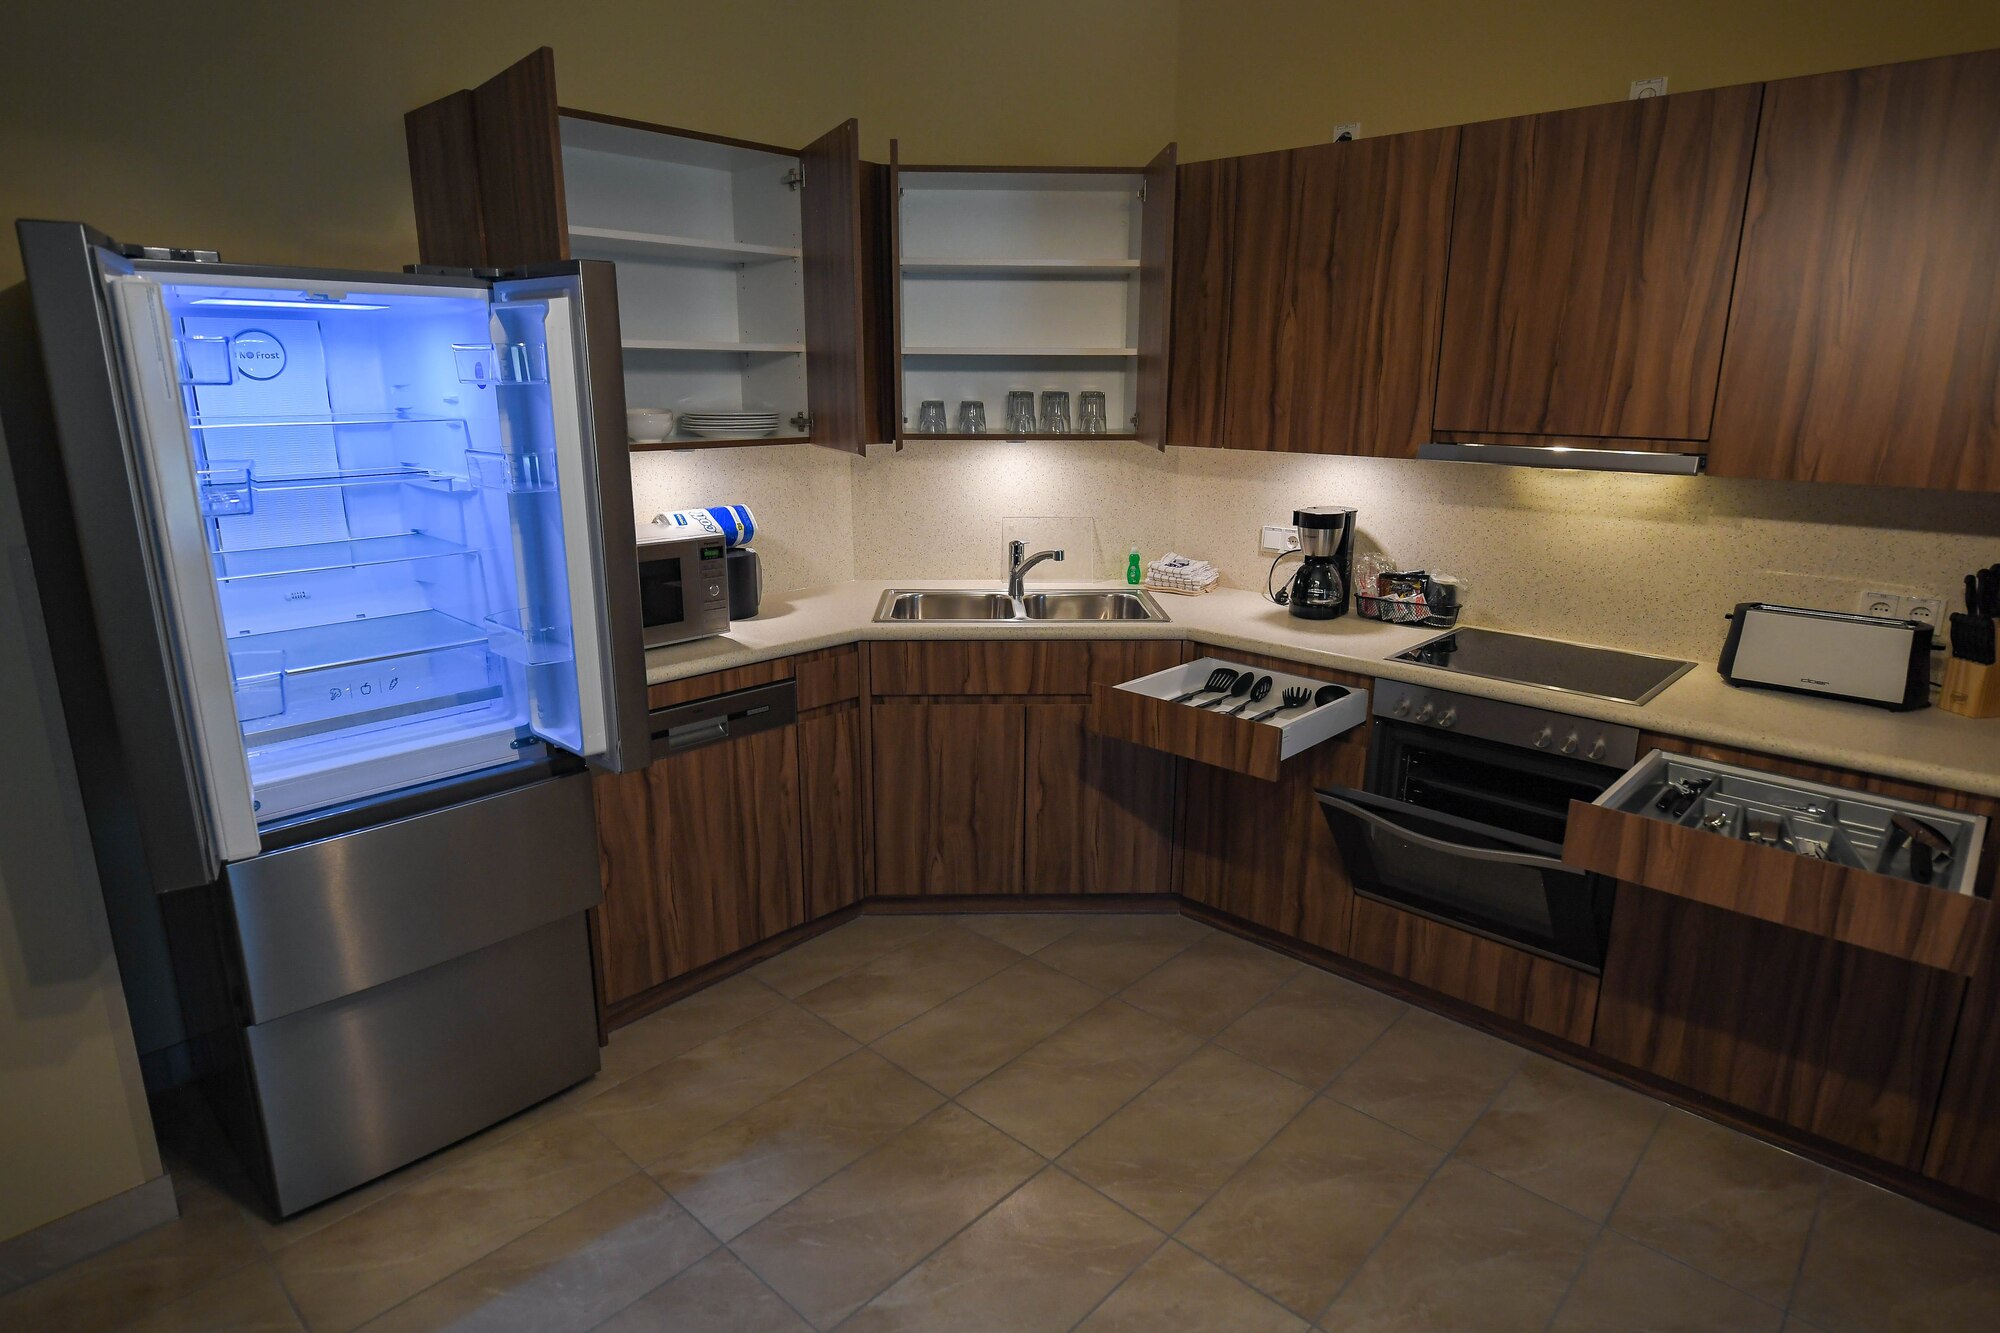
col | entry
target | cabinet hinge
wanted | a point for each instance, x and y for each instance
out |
(802, 422)
(795, 178)
(1142, 193)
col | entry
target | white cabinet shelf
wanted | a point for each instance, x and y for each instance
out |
(1092, 268)
(592, 242)
(703, 345)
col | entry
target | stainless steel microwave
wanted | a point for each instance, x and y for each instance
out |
(683, 589)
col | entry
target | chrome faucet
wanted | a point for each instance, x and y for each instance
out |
(1019, 563)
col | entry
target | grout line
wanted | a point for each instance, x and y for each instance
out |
(1633, 1174)
(1812, 1230)
(1569, 1288)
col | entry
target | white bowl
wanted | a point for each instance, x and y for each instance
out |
(648, 425)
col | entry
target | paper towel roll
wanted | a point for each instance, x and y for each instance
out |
(733, 523)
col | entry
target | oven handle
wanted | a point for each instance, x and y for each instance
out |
(1439, 844)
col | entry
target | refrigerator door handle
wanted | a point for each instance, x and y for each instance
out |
(190, 614)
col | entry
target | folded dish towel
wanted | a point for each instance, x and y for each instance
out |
(1180, 573)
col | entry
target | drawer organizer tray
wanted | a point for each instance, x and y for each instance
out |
(1143, 712)
(1890, 875)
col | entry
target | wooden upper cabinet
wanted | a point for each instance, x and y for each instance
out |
(1307, 285)
(1592, 252)
(1864, 340)
(744, 269)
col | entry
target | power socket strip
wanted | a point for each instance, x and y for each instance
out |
(1901, 606)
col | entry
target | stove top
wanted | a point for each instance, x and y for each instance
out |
(1552, 664)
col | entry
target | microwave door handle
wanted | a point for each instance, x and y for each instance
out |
(1495, 855)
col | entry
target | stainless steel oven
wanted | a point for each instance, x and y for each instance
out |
(683, 589)
(1464, 815)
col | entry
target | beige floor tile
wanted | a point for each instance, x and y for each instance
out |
(1180, 1291)
(1626, 1288)
(210, 1239)
(1299, 1218)
(677, 1102)
(1728, 1205)
(1311, 1027)
(1881, 1262)
(887, 992)
(1428, 1076)
(249, 1300)
(737, 1174)
(1567, 1135)
(1038, 1261)
(1177, 1142)
(685, 1024)
(717, 1295)
(839, 1245)
(1472, 1253)
(570, 1273)
(1059, 1089)
(824, 957)
(975, 1032)
(1027, 932)
(1209, 985)
(363, 1264)
(1112, 952)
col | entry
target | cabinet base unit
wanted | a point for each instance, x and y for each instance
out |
(364, 998)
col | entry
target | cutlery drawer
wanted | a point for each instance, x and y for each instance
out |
(1143, 712)
(1826, 860)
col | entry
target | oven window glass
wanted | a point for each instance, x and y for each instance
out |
(660, 594)
(1507, 899)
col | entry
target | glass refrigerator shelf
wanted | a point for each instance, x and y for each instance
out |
(354, 642)
(318, 557)
(198, 422)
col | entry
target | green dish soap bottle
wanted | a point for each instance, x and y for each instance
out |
(1134, 571)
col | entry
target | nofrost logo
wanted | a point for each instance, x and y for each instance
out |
(258, 354)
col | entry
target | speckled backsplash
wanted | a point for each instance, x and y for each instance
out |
(1652, 563)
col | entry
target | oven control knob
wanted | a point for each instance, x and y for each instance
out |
(1424, 713)
(1448, 718)
(1570, 742)
(1402, 707)
(1597, 748)
(1543, 737)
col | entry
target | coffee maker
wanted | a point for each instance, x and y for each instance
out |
(1319, 591)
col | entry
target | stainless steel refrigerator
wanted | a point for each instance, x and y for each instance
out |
(347, 568)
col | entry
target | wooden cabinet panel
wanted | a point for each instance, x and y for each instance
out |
(832, 809)
(829, 676)
(1592, 252)
(1312, 283)
(700, 856)
(1839, 1042)
(1864, 337)
(520, 163)
(1099, 812)
(840, 373)
(949, 789)
(1965, 1139)
(1513, 983)
(1156, 296)
(978, 666)
(669, 693)
(443, 145)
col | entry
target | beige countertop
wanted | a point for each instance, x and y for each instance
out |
(1929, 746)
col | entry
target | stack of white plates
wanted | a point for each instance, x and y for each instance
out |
(730, 425)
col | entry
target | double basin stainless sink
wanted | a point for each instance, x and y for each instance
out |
(966, 604)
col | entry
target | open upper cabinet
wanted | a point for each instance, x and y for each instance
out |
(1033, 280)
(746, 271)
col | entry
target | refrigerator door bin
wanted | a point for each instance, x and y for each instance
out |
(514, 636)
(508, 363)
(522, 474)
(203, 359)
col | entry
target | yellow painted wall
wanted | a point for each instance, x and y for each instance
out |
(274, 131)
(1279, 73)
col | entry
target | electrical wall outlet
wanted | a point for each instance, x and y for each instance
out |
(1649, 88)
(1923, 609)
(1880, 602)
(1279, 537)
(1347, 129)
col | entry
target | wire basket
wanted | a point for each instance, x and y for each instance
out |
(1404, 610)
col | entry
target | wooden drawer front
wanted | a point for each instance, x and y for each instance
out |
(829, 676)
(1144, 711)
(978, 666)
(719, 682)
(1513, 983)
(1912, 921)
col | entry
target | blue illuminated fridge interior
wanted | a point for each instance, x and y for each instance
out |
(378, 478)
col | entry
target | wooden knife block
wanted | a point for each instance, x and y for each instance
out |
(1971, 689)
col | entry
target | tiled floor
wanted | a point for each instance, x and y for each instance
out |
(1057, 1122)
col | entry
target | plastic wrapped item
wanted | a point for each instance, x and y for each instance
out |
(1178, 573)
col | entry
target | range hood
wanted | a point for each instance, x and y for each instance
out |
(1564, 455)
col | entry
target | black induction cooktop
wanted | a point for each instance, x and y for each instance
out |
(1552, 664)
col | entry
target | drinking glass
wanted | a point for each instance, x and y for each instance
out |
(1090, 412)
(972, 417)
(1020, 412)
(1055, 412)
(930, 417)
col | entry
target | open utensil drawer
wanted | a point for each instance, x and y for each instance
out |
(1893, 876)
(1148, 712)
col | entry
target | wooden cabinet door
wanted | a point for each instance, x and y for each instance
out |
(1099, 812)
(948, 797)
(700, 856)
(486, 170)
(1204, 239)
(1156, 297)
(1592, 252)
(842, 376)
(832, 809)
(1864, 337)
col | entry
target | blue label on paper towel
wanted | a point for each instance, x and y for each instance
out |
(733, 523)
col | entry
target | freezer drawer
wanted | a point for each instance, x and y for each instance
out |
(329, 918)
(350, 1090)
(1826, 860)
